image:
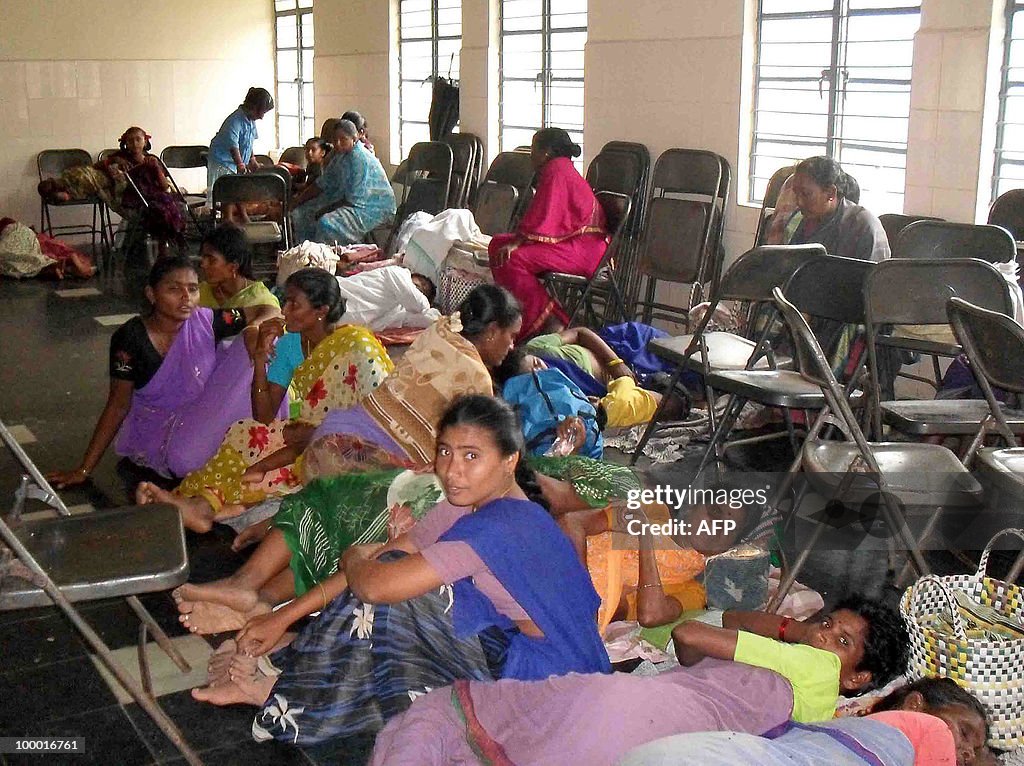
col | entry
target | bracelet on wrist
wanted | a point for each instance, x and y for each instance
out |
(650, 585)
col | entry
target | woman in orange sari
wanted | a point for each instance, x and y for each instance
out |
(563, 230)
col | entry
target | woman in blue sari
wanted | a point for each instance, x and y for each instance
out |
(485, 586)
(355, 179)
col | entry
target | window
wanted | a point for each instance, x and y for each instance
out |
(1009, 171)
(542, 45)
(294, 50)
(430, 40)
(833, 78)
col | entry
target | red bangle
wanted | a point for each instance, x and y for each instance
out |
(782, 627)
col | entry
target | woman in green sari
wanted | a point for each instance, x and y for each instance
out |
(228, 281)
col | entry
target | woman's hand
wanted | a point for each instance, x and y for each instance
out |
(261, 634)
(572, 434)
(252, 534)
(61, 479)
(298, 434)
(241, 168)
(624, 515)
(358, 553)
(269, 331)
(501, 257)
(253, 476)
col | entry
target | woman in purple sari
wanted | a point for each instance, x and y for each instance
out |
(173, 390)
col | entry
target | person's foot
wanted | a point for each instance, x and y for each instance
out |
(242, 666)
(246, 692)
(196, 513)
(219, 666)
(204, 617)
(228, 592)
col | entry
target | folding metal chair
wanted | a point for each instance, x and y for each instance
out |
(829, 288)
(682, 234)
(771, 197)
(749, 280)
(428, 167)
(50, 163)
(942, 239)
(859, 473)
(327, 129)
(894, 223)
(573, 290)
(994, 345)
(186, 158)
(516, 170)
(495, 206)
(104, 554)
(904, 292)
(265, 185)
(1008, 212)
(264, 160)
(465, 167)
(294, 155)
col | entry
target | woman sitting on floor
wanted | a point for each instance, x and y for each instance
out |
(328, 366)
(355, 179)
(931, 722)
(562, 230)
(484, 586)
(157, 214)
(228, 282)
(173, 393)
(394, 427)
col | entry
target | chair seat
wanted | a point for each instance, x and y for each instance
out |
(944, 416)
(778, 388)
(117, 552)
(262, 232)
(918, 474)
(726, 351)
(1005, 468)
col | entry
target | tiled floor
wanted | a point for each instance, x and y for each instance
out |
(54, 383)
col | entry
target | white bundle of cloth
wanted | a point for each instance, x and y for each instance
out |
(307, 255)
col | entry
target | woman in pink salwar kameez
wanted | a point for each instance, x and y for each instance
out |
(562, 230)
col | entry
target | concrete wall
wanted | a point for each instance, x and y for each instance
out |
(76, 73)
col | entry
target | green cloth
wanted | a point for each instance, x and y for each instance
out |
(813, 673)
(254, 294)
(552, 345)
(661, 636)
(595, 481)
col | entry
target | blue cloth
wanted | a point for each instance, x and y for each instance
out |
(534, 561)
(236, 131)
(543, 399)
(287, 356)
(587, 383)
(629, 342)
(359, 180)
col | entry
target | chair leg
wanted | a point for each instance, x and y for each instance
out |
(652, 425)
(898, 525)
(732, 410)
(161, 638)
(789, 577)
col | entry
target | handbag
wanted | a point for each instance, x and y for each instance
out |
(989, 667)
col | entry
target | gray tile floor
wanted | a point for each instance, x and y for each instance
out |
(53, 381)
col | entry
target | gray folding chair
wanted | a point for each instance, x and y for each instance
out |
(858, 473)
(50, 163)
(465, 167)
(574, 291)
(904, 292)
(516, 170)
(1008, 212)
(294, 155)
(264, 160)
(495, 206)
(268, 186)
(771, 197)
(994, 346)
(682, 235)
(749, 280)
(894, 223)
(942, 239)
(185, 158)
(103, 554)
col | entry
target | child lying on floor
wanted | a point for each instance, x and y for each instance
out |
(388, 297)
(859, 645)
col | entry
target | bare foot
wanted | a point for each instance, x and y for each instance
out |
(196, 513)
(217, 670)
(246, 692)
(242, 666)
(231, 510)
(205, 617)
(227, 592)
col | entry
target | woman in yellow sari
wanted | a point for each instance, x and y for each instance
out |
(228, 281)
(325, 368)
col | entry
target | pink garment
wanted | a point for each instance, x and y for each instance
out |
(932, 740)
(563, 229)
(455, 560)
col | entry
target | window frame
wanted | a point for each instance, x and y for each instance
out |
(305, 111)
(833, 142)
(544, 77)
(435, 40)
(1011, 8)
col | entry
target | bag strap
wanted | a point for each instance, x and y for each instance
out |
(983, 561)
(917, 591)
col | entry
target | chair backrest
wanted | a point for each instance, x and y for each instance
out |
(1008, 211)
(915, 291)
(105, 153)
(830, 288)
(616, 171)
(281, 173)
(327, 129)
(616, 212)
(495, 206)
(894, 223)
(771, 199)
(515, 169)
(52, 162)
(993, 342)
(428, 161)
(264, 160)
(263, 186)
(465, 168)
(942, 239)
(294, 155)
(755, 273)
(192, 156)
